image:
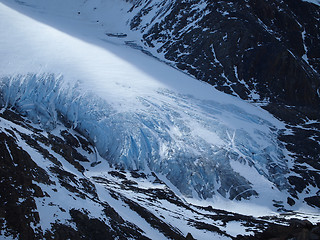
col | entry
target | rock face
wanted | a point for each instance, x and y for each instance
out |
(297, 229)
(258, 50)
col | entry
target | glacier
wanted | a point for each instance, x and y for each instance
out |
(190, 141)
(139, 113)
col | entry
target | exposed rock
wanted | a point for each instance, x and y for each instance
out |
(258, 45)
(298, 229)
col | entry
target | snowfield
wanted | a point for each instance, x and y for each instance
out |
(59, 63)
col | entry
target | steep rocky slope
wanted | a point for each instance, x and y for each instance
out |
(257, 50)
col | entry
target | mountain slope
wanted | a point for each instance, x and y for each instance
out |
(110, 128)
(54, 185)
(137, 120)
(257, 50)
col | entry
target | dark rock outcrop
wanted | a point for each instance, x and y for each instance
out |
(266, 47)
(297, 229)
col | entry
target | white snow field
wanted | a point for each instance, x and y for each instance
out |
(58, 63)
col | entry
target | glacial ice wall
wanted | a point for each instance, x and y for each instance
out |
(192, 142)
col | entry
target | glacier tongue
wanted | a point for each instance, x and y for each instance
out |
(192, 142)
(137, 111)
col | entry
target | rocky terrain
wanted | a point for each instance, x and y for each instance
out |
(50, 190)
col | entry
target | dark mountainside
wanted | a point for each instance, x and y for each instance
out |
(268, 47)
(264, 51)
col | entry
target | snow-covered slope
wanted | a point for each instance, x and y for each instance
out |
(73, 69)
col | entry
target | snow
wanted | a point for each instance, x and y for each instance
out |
(127, 214)
(316, 2)
(236, 228)
(139, 112)
(174, 215)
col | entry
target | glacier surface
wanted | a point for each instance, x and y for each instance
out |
(138, 112)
